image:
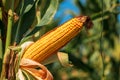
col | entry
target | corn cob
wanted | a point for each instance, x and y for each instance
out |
(55, 39)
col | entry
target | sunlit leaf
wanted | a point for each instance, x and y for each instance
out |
(107, 3)
(64, 60)
(48, 16)
(27, 5)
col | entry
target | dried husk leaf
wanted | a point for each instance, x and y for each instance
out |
(20, 75)
(64, 59)
(58, 57)
(30, 67)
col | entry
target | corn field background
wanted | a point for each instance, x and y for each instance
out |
(84, 50)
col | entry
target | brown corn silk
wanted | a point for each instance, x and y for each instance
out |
(55, 39)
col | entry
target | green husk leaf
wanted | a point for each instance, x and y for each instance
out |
(46, 19)
(23, 47)
(29, 38)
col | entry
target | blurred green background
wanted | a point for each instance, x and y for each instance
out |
(85, 49)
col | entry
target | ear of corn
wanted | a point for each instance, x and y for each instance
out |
(52, 41)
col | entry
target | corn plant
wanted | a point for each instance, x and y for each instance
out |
(21, 57)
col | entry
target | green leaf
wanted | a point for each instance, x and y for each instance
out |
(49, 13)
(28, 4)
(107, 3)
(26, 12)
(46, 19)
(25, 23)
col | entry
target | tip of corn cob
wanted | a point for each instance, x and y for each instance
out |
(86, 20)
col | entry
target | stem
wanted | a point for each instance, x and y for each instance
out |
(1, 51)
(96, 15)
(9, 26)
(8, 41)
(8, 65)
(5, 64)
(106, 12)
(4, 2)
(0, 13)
